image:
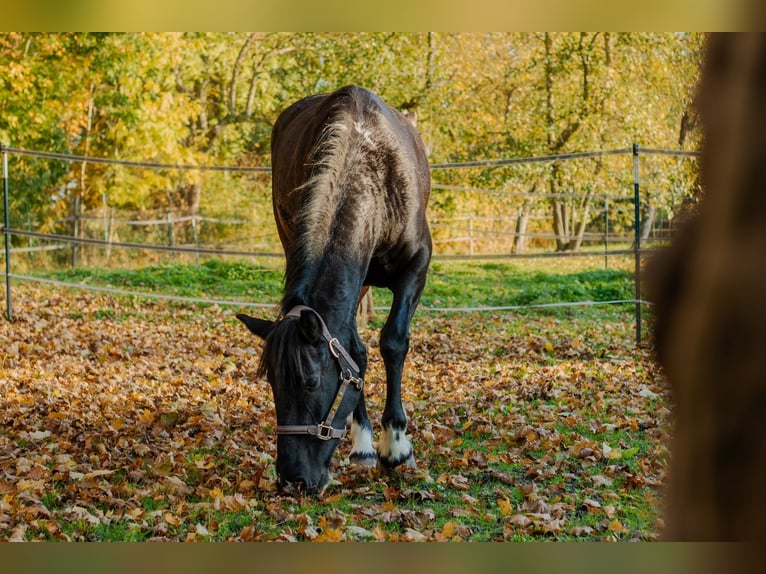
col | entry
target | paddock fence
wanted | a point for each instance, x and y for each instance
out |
(479, 210)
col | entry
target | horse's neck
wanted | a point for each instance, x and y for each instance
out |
(326, 264)
(330, 287)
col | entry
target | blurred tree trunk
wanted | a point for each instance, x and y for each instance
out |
(365, 309)
(576, 242)
(646, 224)
(522, 220)
(709, 290)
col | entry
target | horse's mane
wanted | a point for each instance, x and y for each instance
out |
(322, 194)
(281, 359)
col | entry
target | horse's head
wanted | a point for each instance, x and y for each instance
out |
(305, 372)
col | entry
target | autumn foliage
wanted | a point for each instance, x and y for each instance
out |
(131, 419)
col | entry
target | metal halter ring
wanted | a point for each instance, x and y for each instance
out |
(334, 341)
(347, 376)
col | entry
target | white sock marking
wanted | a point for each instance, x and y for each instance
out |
(361, 439)
(394, 444)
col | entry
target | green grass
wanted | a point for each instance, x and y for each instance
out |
(449, 284)
(212, 278)
(499, 284)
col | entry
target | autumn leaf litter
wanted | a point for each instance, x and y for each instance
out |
(128, 419)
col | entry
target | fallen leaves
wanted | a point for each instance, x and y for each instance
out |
(146, 423)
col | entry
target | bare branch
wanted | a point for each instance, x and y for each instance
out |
(235, 72)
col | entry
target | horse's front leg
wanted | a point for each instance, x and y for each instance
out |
(362, 450)
(394, 446)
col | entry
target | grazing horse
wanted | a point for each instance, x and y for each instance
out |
(351, 182)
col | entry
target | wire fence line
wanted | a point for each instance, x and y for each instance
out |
(528, 194)
(139, 246)
(274, 305)
(144, 222)
(128, 163)
(250, 253)
(271, 254)
(267, 169)
(637, 250)
(141, 294)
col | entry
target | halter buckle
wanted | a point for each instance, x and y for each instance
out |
(324, 431)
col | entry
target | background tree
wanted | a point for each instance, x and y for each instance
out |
(194, 98)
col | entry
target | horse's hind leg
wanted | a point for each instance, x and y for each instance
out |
(394, 446)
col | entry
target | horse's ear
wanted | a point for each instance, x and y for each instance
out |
(260, 327)
(311, 328)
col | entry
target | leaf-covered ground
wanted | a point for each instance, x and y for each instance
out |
(131, 419)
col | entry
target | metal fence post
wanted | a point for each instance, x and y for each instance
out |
(75, 229)
(195, 233)
(606, 232)
(6, 227)
(637, 242)
(470, 236)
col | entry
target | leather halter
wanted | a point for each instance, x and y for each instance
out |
(349, 375)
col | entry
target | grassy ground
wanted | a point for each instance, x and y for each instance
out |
(124, 418)
(450, 283)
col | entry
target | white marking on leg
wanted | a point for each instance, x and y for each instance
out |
(394, 445)
(361, 439)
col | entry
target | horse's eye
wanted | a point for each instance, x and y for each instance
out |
(312, 383)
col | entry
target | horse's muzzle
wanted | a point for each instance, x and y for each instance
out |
(303, 486)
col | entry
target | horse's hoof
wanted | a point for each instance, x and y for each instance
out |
(364, 458)
(388, 464)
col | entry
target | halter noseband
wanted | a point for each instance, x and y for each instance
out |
(349, 375)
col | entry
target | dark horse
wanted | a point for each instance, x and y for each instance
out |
(350, 181)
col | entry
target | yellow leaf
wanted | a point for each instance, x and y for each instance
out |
(617, 527)
(449, 530)
(330, 535)
(379, 533)
(332, 499)
(97, 473)
(172, 519)
(506, 508)
(147, 417)
(215, 493)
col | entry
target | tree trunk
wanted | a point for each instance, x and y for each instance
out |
(647, 224)
(519, 243)
(576, 243)
(520, 234)
(76, 248)
(365, 309)
(193, 197)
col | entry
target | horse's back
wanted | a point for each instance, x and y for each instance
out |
(352, 144)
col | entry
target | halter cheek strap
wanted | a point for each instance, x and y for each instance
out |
(335, 347)
(349, 375)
